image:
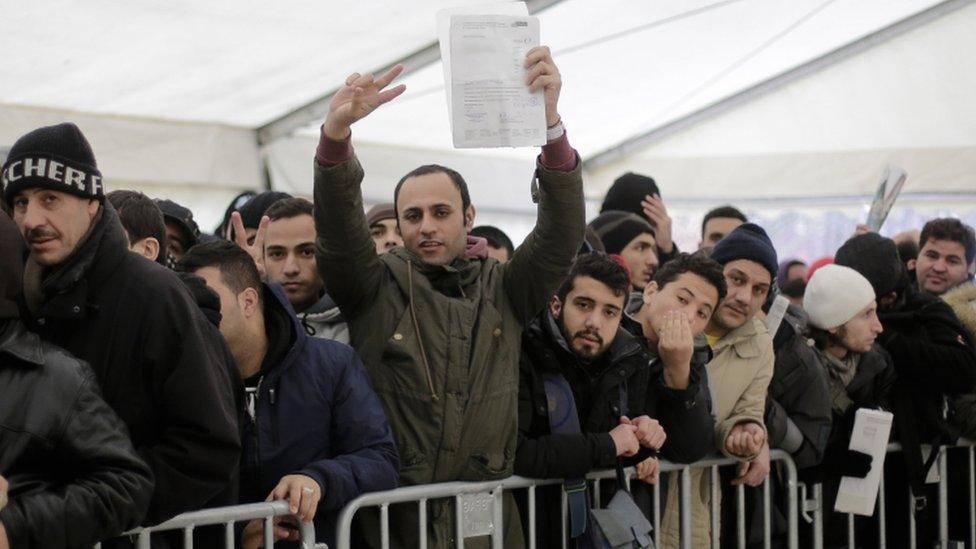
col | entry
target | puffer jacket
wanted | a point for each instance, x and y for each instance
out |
(441, 342)
(324, 320)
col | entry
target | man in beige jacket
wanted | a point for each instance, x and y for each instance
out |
(739, 375)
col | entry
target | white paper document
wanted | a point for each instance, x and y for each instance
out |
(872, 428)
(892, 181)
(490, 102)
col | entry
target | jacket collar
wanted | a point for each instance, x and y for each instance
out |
(17, 342)
(545, 331)
(325, 309)
(742, 340)
(450, 279)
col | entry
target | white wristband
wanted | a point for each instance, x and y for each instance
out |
(555, 132)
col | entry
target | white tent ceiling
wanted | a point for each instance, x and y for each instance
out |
(172, 93)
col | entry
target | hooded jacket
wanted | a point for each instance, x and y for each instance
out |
(160, 364)
(324, 320)
(962, 299)
(684, 414)
(441, 342)
(316, 415)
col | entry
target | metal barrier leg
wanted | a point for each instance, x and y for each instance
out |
(498, 519)
(422, 523)
(685, 502)
(385, 526)
(143, 541)
(911, 519)
(564, 508)
(943, 497)
(714, 506)
(188, 538)
(850, 531)
(818, 516)
(229, 535)
(767, 518)
(882, 523)
(269, 532)
(972, 496)
(458, 525)
(740, 516)
(657, 515)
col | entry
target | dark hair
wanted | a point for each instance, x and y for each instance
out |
(950, 228)
(496, 238)
(601, 268)
(288, 208)
(698, 264)
(428, 169)
(237, 269)
(823, 338)
(908, 250)
(234, 205)
(140, 217)
(723, 211)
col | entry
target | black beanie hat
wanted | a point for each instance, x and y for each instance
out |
(12, 257)
(53, 157)
(183, 217)
(747, 241)
(627, 191)
(876, 258)
(253, 210)
(617, 229)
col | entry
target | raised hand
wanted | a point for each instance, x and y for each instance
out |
(256, 248)
(675, 346)
(745, 439)
(544, 75)
(657, 215)
(361, 95)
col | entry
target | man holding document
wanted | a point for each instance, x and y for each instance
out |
(439, 333)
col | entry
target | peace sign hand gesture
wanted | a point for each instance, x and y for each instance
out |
(361, 95)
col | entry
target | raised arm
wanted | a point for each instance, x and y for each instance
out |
(543, 260)
(345, 254)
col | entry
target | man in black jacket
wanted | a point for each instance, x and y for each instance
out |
(74, 478)
(580, 337)
(161, 366)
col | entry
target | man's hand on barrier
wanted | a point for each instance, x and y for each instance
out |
(544, 75)
(650, 433)
(361, 95)
(648, 470)
(625, 439)
(676, 345)
(253, 535)
(745, 439)
(753, 473)
(256, 248)
(303, 494)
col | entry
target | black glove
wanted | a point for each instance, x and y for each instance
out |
(856, 464)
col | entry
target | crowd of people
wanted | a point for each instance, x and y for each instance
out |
(311, 351)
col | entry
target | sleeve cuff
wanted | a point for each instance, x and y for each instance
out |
(793, 439)
(331, 152)
(558, 155)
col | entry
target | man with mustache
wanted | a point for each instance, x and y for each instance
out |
(739, 372)
(160, 364)
(438, 332)
(633, 396)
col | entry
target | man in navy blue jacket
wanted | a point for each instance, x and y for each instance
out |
(316, 434)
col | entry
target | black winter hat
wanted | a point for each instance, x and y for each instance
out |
(253, 210)
(876, 258)
(747, 241)
(616, 229)
(183, 217)
(627, 191)
(53, 157)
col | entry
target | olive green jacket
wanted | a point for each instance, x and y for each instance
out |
(441, 343)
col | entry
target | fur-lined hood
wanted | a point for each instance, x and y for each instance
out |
(962, 299)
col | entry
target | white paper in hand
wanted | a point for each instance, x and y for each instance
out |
(491, 105)
(872, 428)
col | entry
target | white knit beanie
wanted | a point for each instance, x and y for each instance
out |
(834, 295)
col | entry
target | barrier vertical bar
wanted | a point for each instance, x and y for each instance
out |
(882, 521)
(564, 506)
(714, 506)
(596, 494)
(657, 514)
(498, 519)
(188, 537)
(818, 516)
(850, 530)
(422, 523)
(767, 516)
(972, 496)
(792, 505)
(229, 535)
(269, 532)
(911, 519)
(685, 503)
(740, 516)
(532, 519)
(143, 541)
(458, 524)
(943, 496)
(385, 526)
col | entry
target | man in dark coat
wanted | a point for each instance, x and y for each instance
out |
(161, 366)
(580, 338)
(74, 477)
(316, 434)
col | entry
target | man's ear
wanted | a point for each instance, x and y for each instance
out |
(649, 290)
(93, 206)
(555, 306)
(910, 264)
(469, 218)
(147, 247)
(832, 331)
(250, 302)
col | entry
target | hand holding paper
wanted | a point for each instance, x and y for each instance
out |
(361, 95)
(544, 75)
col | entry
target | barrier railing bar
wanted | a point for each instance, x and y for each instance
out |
(943, 497)
(714, 505)
(188, 538)
(740, 516)
(498, 519)
(564, 507)
(850, 530)
(911, 519)
(767, 516)
(532, 526)
(229, 535)
(458, 525)
(422, 520)
(972, 497)
(385, 526)
(268, 531)
(684, 500)
(657, 514)
(882, 521)
(818, 515)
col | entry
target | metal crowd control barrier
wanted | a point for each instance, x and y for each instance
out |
(226, 516)
(482, 502)
(816, 512)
